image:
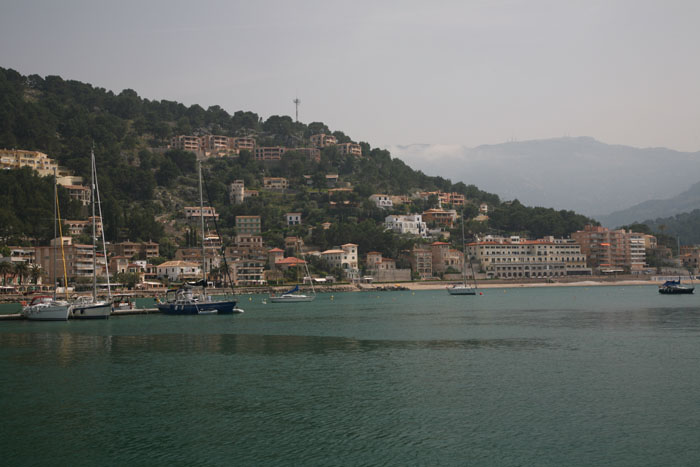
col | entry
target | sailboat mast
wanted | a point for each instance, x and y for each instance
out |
(464, 256)
(201, 216)
(94, 233)
(55, 220)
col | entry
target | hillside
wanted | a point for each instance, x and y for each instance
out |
(685, 227)
(145, 186)
(576, 173)
(685, 202)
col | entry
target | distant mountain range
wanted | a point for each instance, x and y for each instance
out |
(577, 173)
(685, 202)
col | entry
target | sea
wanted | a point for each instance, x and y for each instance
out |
(551, 376)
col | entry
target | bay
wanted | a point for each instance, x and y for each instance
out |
(518, 376)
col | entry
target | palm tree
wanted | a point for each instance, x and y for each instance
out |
(21, 270)
(36, 273)
(6, 269)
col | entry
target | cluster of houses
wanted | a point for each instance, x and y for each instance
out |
(223, 146)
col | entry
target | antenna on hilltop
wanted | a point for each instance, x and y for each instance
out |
(296, 104)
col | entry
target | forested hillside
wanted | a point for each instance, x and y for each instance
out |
(145, 186)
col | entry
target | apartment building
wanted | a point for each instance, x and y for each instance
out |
(507, 258)
(79, 259)
(18, 158)
(275, 183)
(248, 272)
(237, 192)
(269, 153)
(421, 260)
(78, 227)
(441, 217)
(610, 251)
(79, 193)
(411, 224)
(248, 225)
(454, 199)
(322, 140)
(135, 249)
(349, 149)
(243, 143)
(187, 143)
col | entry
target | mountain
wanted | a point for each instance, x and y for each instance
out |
(685, 202)
(576, 173)
(685, 227)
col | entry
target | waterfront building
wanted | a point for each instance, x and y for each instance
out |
(612, 251)
(248, 272)
(79, 259)
(179, 271)
(422, 262)
(444, 258)
(508, 258)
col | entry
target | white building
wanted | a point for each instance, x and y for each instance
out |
(237, 192)
(382, 201)
(345, 258)
(179, 270)
(293, 218)
(407, 224)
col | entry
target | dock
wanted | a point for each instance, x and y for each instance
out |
(135, 311)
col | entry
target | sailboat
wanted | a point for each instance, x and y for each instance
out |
(464, 288)
(91, 307)
(44, 307)
(294, 295)
(184, 301)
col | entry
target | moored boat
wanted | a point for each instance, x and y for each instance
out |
(675, 287)
(46, 308)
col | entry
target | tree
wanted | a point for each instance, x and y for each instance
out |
(36, 273)
(21, 270)
(6, 269)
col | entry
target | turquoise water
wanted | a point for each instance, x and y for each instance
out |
(547, 377)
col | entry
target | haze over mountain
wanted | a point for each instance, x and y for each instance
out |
(578, 173)
(685, 202)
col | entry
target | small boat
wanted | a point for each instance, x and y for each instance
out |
(292, 296)
(675, 287)
(184, 301)
(46, 308)
(122, 302)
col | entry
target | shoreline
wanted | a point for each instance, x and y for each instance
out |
(389, 286)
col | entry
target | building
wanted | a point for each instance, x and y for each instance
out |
(445, 258)
(440, 217)
(243, 143)
(248, 272)
(293, 218)
(344, 258)
(267, 153)
(454, 199)
(187, 143)
(332, 180)
(382, 201)
(321, 140)
(135, 249)
(78, 259)
(612, 251)
(22, 254)
(411, 224)
(275, 183)
(194, 255)
(179, 271)
(195, 212)
(248, 225)
(373, 260)
(508, 258)
(79, 227)
(274, 255)
(349, 149)
(422, 262)
(18, 158)
(79, 193)
(236, 192)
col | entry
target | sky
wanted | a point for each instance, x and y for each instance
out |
(388, 72)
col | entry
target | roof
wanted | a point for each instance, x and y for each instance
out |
(175, 264)
(275, 250)
(292, 261)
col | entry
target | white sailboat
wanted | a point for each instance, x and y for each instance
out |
(294, 295)
(90, 307)
(44, 307)
(464, 288)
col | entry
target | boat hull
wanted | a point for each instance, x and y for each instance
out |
(53, 312)
(458, 290)
(676, 290)
(204, 308)
(292, 299)
(100, 310)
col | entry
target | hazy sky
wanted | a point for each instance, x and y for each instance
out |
(462, 72)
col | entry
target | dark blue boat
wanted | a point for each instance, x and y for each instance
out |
(184, 301)
(675, 287)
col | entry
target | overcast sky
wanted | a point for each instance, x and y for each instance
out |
(462, 72)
